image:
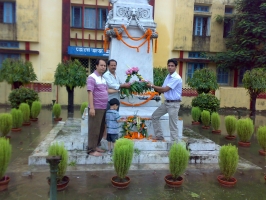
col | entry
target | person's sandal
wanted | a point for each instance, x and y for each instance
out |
(157, 138)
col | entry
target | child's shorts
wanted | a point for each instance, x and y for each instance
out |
(112, 137)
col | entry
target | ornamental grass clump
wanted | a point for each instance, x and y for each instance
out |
(57, 149)
(215, 121)
(17, 118)
(5, 155)
(35, 109)
(57, 110)
(228, 160)
(83, 106)
(5, 123)
(230, 124)
(25, 109)
(122, 157)
(195, 112)
(178, 160)
(205, 118)
(261, 137)
(245, 129)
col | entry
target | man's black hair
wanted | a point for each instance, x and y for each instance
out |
(98, 61)
(114, 101)
(109, 61)
(173, 60)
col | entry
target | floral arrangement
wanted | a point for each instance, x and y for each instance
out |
(139, 123)
(136, 87)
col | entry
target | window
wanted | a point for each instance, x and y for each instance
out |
(4, 56)
(228, 26)
(192, 67)
(241, 75)
(193, 54)
(201, 8)
(222, 76)
(7, 12)
(7, 44)
(201, 26)
(90, 16)
(228, 10)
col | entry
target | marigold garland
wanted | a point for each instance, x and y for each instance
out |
(152, 94)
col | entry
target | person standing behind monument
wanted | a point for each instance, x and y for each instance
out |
(172, 89)
(98, 98)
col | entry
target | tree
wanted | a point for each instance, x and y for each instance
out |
(17, 72)
(255, 82)
(70, 74)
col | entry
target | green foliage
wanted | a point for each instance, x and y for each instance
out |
(57, 110)
(83, 106)
(178, 160)
(159, 74)
(5, 155)
(205, 117)
(36, 109)
(196, 112)
(25, 109)
(244, 129)
(57, 149)
(206, 102)
(230, 124)
(203, 80)
(71, 74)
(122, 156)
(17, 118)
(17, 70)
(219, 19)
(228, 160)
(215, 120)
(261, 136)
(22, 95)
(5, 123)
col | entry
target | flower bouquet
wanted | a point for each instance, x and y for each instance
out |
(139, 123)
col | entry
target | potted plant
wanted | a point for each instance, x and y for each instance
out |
(35, 110)
(261, 137)
(17, 119)
(228, 160)
(205, 118)
(206, 102)
(57, 112)
(57, 149)
(178, 161)
(215, 122)
(122, 157)
(5, 155)
(245, 129)
(195, 113)
(5, 123)
(83, 106)
(230, 125)
(25, 109)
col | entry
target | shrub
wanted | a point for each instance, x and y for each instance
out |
(230, 124)
(83, 106)
(5, 123)
(122, 156)
(205, 117)
(17, 118)
(228, 160)
(195, 112)
(25, 109)
(36, 109)
(206, 102)
(245, 129)
(215, 120)
(5, 155)
(261, 136)
(57, 149)
(57, 110)
(22, 95)
(159, 74)
(178, 160)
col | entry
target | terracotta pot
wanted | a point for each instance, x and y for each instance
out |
(169, 181)
(16, 129)
(262, 152)
(195, 123)
(8, 137)
(57, 119)
(244, 144)
(34, 119)
(231, 183)
(120, 185)
(4, 183)
(26, 124)
(230, 137)
(265, 177)
(205, 127)
(216, 131)
(63, 184)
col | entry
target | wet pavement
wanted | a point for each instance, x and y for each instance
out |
(93, 182)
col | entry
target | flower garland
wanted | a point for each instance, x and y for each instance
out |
(152, 95)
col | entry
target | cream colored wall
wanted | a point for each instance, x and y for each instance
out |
(5, 89)
(234, 97)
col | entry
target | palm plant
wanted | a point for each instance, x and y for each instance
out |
(205, 118)
(25, 109)
(195, 112)
(36, 109)
(5, 123)
(5, 155)
(245, 129)
(230, 124)
(57, 110)
(17, 118)
(261, 137)
(215, 122)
